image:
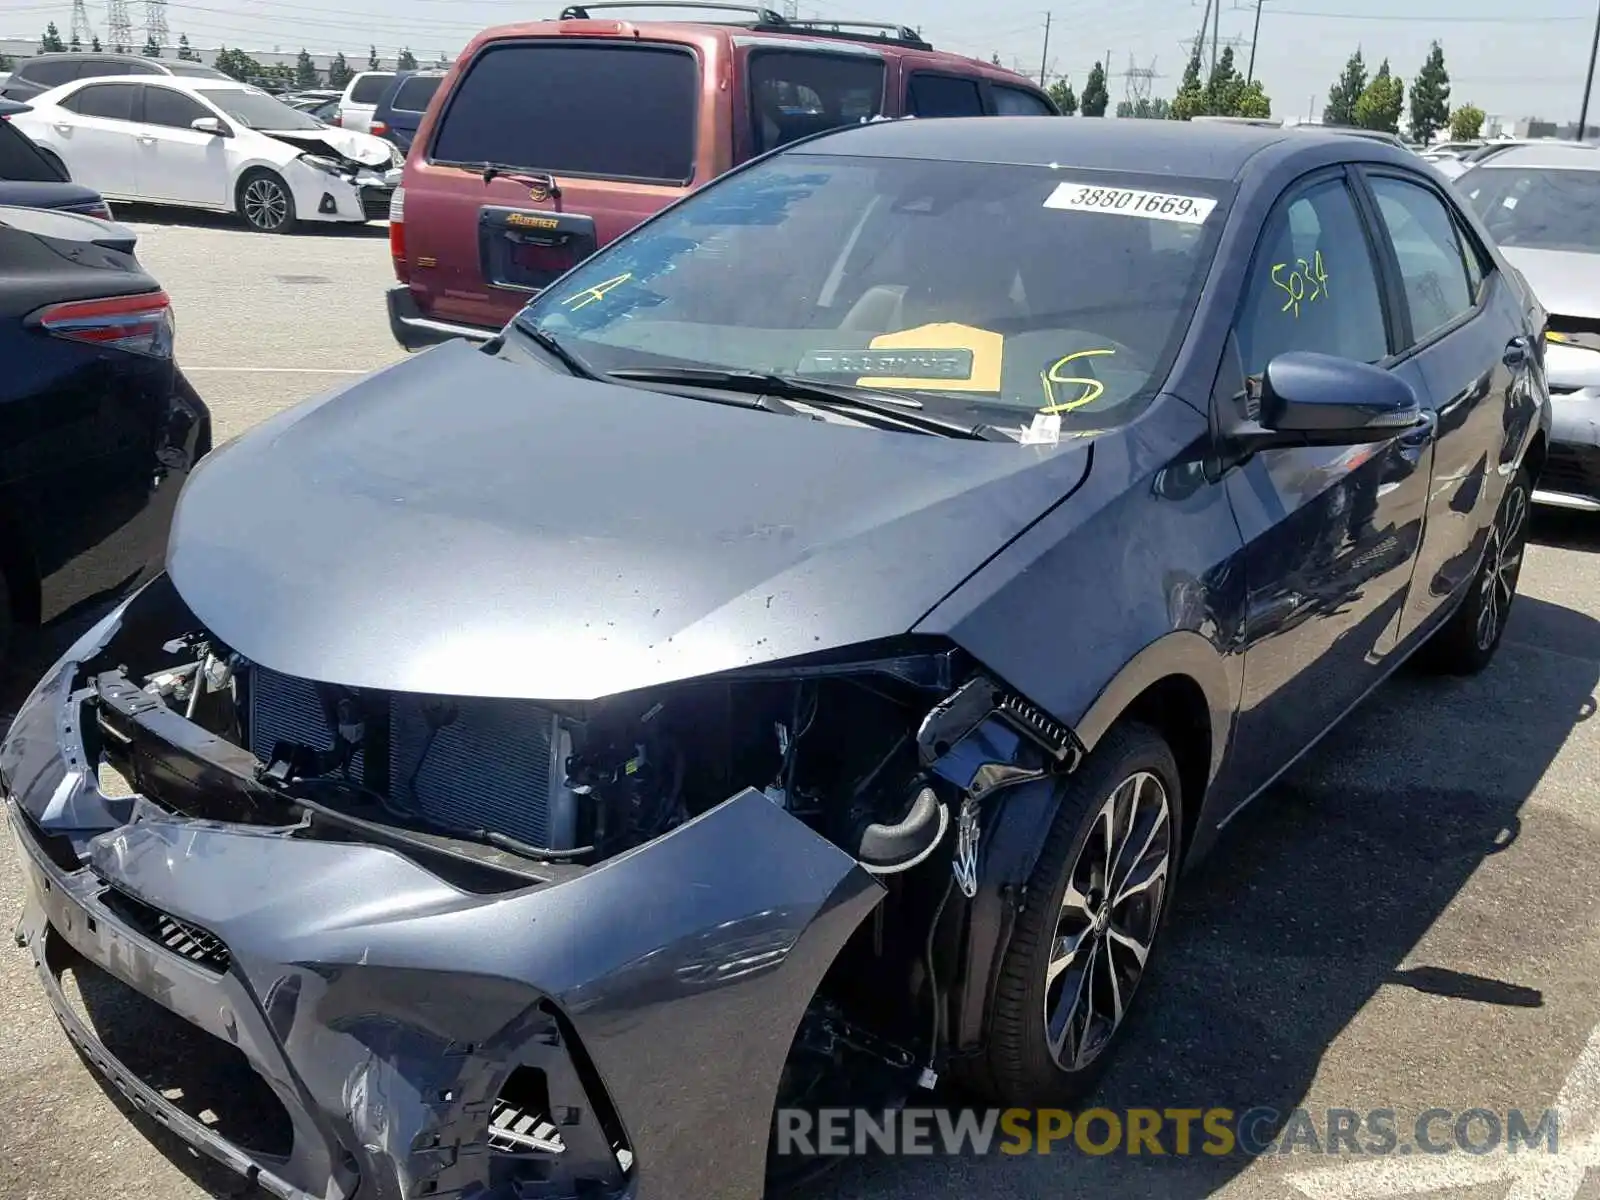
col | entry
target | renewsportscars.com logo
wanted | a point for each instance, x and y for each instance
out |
(1215, 1132)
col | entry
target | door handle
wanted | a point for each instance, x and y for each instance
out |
(148, 138)
(1516, 353)
(1413, 441)
(62, 127)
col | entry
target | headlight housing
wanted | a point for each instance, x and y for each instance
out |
(321, 162)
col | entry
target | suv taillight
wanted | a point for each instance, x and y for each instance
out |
(380, 129)
(397, 235)
(139, 324)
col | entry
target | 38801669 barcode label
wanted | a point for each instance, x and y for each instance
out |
(1130, 202)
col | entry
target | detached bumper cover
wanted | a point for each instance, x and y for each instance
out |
(1571, 475)
(657, 993)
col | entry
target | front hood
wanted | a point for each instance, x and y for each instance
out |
(1566, 282)
(464, 525)
(363, 148)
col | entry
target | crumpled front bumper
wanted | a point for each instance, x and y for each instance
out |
(384, 1009)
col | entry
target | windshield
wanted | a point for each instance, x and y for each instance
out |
(999, 289)
(1540, 208)
(257, 110)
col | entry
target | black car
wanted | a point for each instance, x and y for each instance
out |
(35, 178)
(400, 110)
(791, 663)
(45, 71)
(98, 427)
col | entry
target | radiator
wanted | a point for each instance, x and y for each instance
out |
(491, 764)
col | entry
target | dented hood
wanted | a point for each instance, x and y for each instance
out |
(363, 148)
(461, 524)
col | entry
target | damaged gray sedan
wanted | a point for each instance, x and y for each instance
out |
(788, 667)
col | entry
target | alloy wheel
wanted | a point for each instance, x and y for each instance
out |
(1502, 561)
(265, 204)
(1109, 916)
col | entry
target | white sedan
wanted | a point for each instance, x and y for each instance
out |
(204, 143)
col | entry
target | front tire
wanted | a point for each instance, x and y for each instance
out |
(1466, 643)
(1096, 903)
(265, 203)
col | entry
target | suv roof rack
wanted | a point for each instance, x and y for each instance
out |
(766, 20)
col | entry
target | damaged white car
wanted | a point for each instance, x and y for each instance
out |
(206, 143)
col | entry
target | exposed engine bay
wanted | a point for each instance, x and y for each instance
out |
(891, 756)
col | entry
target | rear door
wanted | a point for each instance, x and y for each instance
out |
(97, 137)
(585, 140)
(1464, 328)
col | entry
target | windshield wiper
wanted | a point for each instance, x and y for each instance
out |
(894, 412)
(552, 346)
(493, 170)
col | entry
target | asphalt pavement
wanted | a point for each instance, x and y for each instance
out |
(1406, 922)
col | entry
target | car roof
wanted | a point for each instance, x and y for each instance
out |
(1575, 156)
(704, 32)
(1208, 150)
(184, 83)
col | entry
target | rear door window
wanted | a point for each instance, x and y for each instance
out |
(413, 95)
(1014, 102)
(543, 107)
(794, 94)
(945, 96)
(20, 162)
(111, 101)
(171, 108)
(49, 74)
(112, 66)
(369, 89)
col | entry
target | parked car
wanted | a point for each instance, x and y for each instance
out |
(797, 658)
(226, 146)
(310, 99)
(43, 72)
(98, 427)
(32, 178)
(1541, 203)
(360, 100)
(400, 110)
(491, 210)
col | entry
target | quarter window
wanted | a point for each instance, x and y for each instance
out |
(1014, 102)
(795, 94)
(945, 96)
(111, 101)
(1433, 268)
(1312, 285)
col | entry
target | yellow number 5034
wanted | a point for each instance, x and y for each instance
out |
(1305, 282)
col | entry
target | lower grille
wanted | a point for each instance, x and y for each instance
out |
(375, 202)
(180, 937)
(1573, 470)
(465, 764)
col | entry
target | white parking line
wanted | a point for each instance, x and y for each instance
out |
(287, 370)
(1532, 1173)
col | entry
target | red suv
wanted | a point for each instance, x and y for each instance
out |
(549, 139)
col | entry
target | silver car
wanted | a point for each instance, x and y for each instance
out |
(1541, 202)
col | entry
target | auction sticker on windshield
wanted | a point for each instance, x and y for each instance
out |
(1131, 202)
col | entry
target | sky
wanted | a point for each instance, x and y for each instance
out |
(1510, 62)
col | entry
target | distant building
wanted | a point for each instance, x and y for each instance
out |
(19, 48)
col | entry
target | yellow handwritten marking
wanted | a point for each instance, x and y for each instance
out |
(1307, 281)
(589, 295)
(986, 348)
(1093, 389)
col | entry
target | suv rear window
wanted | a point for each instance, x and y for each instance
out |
(793, 94)
(49, 74)
(611, 112)
(413, 95)
(369, 89)
(20, 162)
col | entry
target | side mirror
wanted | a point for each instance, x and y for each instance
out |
(1322, 400)
(212, 125)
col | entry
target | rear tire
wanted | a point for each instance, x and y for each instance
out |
(265, 202)
(1095, 905)
(1465, 644)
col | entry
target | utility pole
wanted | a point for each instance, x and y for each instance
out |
(1250, 74)
(1588, 80)
(1216, 23)
(1044, 59)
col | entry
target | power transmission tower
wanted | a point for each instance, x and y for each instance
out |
(1139, 82)
(81, 33)
(119, 26)
(155, 21)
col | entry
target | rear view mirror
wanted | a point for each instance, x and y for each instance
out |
(1335, 401)
(211, 125)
